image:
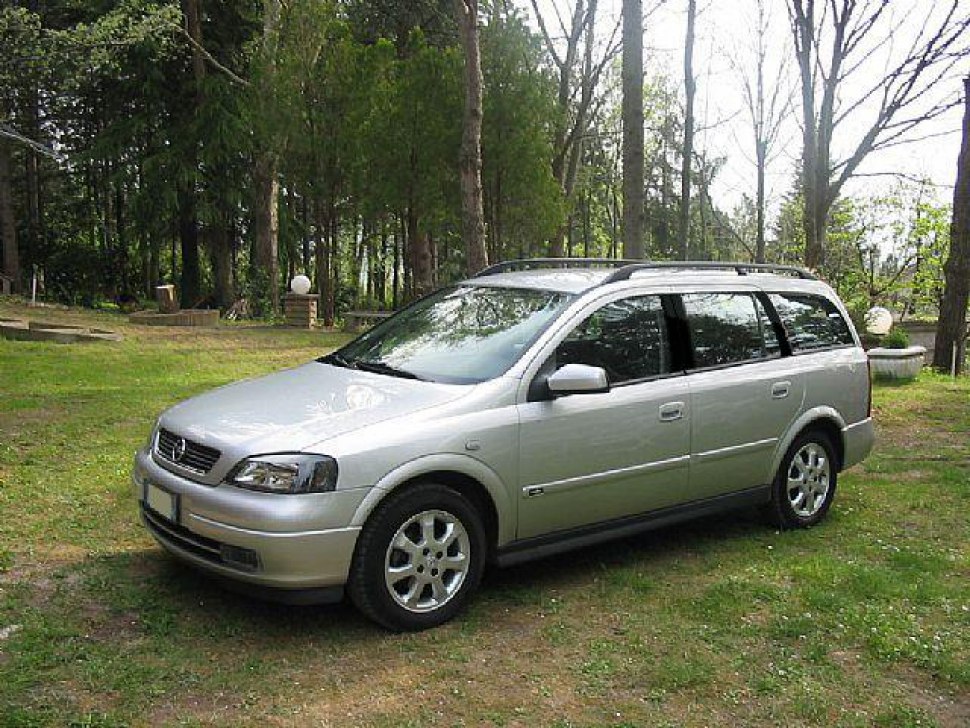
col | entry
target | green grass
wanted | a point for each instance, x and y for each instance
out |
(864, 620)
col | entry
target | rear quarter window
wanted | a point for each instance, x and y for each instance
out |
(811, 322)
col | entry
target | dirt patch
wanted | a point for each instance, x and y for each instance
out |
(12, 422)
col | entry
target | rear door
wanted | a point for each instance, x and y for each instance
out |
(590, 458)
(744, 393)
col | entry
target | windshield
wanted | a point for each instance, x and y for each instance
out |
(460, 335)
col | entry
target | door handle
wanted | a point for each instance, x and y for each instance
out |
(780, 390)
(671, 411)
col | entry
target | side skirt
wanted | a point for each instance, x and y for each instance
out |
(539, 547)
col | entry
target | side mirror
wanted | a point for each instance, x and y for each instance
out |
(578, 379)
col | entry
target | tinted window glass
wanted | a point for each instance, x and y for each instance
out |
(811, 322)
(627, 338)
(724, 328)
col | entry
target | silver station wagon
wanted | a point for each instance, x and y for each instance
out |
(540, 406)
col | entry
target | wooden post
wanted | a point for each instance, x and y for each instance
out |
(167, 303)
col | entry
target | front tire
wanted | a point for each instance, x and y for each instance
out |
(418, 559)
(805, 483)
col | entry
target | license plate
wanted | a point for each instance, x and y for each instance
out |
(162, 502)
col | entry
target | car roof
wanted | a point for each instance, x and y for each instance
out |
(577, 280)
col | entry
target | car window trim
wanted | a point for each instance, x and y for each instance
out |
(645, 380)
(832, 347)
(784, 344)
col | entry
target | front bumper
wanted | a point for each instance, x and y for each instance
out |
(291, 542)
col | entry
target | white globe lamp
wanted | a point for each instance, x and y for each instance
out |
(300, 285)
(878, 321)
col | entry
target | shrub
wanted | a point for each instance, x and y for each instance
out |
(896, 339)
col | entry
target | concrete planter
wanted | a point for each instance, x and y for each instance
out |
(896, 363)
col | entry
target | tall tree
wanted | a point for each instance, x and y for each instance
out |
(951, 329)
(579, 67)
(633, 129)
(768, 103)
(690, 90)
(896, 88)
(191, 282)
(470, 164)
(266, 182)
(8, 221)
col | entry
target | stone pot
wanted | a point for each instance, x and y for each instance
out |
(896, 363)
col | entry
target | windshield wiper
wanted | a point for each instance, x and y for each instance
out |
(337, 360)
(379, 367)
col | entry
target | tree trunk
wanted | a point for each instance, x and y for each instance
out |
(690, 87)
(419, 255)
(470, 164)
(266, 226)
(759, 251)
(220, 254)
(36, 233)
(951, 328)
(8, 222)
(632, 129)
(190, 292)
(322, 247)
(265, 177)
(190, 288)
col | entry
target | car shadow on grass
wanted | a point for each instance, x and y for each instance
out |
(172, 600)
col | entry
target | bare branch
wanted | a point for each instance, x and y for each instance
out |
(10, 133)
(208, 56)
(550, 46)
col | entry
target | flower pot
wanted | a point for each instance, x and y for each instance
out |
(896, 363)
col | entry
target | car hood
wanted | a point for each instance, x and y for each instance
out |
(296, 408)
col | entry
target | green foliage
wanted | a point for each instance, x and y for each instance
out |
(523, 201)
(883, 249)
(897, 338)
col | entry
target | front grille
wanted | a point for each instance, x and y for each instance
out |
(195, 457)
(210, 550)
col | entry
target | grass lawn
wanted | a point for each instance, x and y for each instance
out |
(863, 621)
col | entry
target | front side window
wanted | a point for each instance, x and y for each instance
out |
(628, 338)
(460, 335)
(811, 322)
(725, 328)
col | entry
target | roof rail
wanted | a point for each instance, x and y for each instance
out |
(532, 263)
(626, 267)
(742, 269)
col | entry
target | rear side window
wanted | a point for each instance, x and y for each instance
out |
(725, 328)
(628, 338)
(811, 322)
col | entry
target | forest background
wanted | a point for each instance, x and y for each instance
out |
(227, 145)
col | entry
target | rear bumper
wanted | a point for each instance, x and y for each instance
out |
(858, 439)
(272, 556)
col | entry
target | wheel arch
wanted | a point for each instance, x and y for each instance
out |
(825, 419)
(472, 478)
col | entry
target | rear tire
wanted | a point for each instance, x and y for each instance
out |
(419, 558)
(805, 483)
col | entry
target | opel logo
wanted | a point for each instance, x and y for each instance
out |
(178, 450)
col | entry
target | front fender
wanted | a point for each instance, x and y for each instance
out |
(444, 462)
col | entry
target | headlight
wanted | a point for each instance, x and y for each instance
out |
(286, 473)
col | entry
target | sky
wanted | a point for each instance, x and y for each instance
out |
(725, 36)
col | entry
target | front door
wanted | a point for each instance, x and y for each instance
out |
(590, 458)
